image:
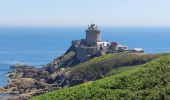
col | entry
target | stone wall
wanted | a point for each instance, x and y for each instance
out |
(84, 53)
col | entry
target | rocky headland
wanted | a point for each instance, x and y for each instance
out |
(26, 81)
(86, 60)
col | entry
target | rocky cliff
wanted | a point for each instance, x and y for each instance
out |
(64, 71)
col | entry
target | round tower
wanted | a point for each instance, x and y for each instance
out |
(92, 35)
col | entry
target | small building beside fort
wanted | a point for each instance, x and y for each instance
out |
(93, 46)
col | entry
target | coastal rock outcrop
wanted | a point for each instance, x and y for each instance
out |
(64, 61)
(25, 81)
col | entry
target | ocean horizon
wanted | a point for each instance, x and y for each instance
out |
(37, 46)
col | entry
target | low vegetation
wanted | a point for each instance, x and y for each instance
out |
(148, 81)
(98, 68)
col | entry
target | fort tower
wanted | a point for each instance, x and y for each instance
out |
(92, 35)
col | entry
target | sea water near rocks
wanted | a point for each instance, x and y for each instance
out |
(37, 46)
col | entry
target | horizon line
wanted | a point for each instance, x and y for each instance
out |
(100, 26)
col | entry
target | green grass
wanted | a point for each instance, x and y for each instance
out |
(119, 70)
(97, 68)
(150, 81)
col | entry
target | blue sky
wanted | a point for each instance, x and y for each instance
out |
(81, 12)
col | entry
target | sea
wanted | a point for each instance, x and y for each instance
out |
(40, 45)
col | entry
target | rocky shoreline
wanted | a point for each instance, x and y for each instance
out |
(26, 81)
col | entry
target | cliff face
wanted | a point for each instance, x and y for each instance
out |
(65, 61)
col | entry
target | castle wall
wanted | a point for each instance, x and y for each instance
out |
(81, 54)
(84, 53)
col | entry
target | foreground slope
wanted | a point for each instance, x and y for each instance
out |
(99, 67)
(147, 81)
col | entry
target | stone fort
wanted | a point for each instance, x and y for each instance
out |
(93, 46)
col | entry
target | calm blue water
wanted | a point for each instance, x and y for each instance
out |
(37, 46)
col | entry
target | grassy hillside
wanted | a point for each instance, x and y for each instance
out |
(98, 67)
(148, 81)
